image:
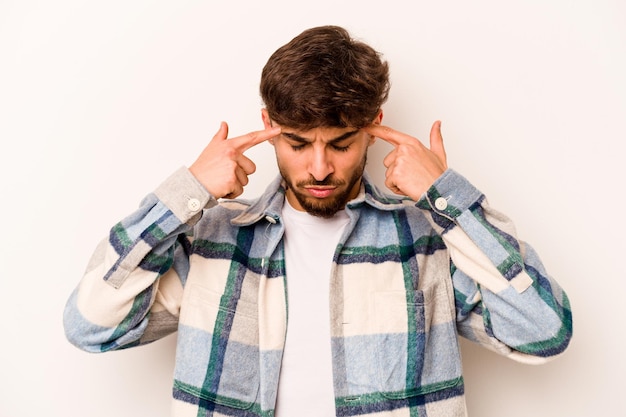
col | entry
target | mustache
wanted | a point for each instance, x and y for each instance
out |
(328, 181)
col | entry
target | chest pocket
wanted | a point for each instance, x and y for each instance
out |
(218, 352)
(418, 351)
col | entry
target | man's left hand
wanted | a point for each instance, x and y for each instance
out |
(411, 167)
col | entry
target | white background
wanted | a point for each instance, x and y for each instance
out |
(100, 101)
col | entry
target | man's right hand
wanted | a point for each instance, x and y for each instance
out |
(222, 167)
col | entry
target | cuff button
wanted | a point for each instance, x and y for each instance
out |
(441, 203)
(193, 204)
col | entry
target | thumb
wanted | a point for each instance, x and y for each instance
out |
(436, 142)
(222, 132)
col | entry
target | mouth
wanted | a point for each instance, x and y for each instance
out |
(320, 192)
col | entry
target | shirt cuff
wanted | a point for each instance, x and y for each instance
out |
(451, 194)
(183, 194)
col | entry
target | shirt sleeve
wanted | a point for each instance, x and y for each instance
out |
(504, 297)
(130, 292)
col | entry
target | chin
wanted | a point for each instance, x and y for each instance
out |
(322, 208)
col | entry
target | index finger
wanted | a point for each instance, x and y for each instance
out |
(247, 141)
(388, 134)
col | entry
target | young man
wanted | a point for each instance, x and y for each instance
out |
(323, 296)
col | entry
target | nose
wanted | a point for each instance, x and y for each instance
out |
(320, 165)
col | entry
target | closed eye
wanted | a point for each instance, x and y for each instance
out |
(337, 148)
(298, 147)
(341, 148)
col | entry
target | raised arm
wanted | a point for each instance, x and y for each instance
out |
(504, 297)
(131, 290)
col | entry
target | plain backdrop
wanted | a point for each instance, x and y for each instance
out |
(101, 100)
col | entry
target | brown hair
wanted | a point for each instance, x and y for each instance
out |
(324, 78)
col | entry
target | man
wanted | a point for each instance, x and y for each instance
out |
(322, 296)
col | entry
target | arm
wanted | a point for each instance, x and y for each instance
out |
(130, 293)
(504, 298)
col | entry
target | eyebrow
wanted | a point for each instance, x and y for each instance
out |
(298, 138)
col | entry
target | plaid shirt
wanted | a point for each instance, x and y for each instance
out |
(407, 279)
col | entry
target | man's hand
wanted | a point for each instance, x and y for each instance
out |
(411, 167)
(222, 167)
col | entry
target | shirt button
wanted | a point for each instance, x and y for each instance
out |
(193, 204)
(441, 203)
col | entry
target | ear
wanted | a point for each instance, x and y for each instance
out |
(379, 117)
(267, 122)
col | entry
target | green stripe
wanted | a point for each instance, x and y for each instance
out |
(124, 326)
(410, 297)
(514, 258)
(231, 283)
(218, 399)
(548, 296)
(508, 263)
(558, 339)
(120, 234)
(156, 231)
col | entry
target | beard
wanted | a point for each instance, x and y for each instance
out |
(325, 207)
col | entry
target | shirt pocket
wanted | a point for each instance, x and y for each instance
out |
(417, 345)
(218, 349)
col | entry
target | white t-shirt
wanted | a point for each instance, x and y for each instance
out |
(306, 378)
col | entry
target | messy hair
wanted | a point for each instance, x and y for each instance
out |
(324, 78)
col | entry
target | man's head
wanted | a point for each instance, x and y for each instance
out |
(324, 78)
(321, 88)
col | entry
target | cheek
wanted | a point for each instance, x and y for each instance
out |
(354, 161)
(288, 161)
